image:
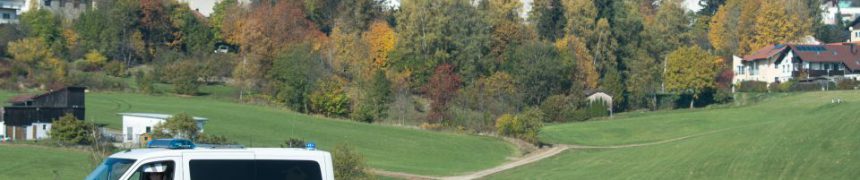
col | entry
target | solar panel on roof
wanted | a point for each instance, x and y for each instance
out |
(811, 48)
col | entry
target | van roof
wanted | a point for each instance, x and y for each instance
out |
(162, 152)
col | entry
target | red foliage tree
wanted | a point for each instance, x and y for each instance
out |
(441, 89)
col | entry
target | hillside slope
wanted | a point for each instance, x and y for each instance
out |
(801, 136)
(385, 147)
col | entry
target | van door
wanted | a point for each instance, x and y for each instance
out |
(218, 165)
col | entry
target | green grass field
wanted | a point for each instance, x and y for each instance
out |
(800, 136)
(384, 147)
(35, 163)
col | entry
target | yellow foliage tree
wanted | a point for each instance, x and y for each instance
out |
(95, 59)
(581, 16)
(774, 25)
(381, 39)
(575, 51)
(30, 52)
(691, 70)
(723, 28)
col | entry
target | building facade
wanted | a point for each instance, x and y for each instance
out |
(30, 117)
(784, 62)
(137, 125)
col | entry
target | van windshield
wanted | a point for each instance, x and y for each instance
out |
(111, 169)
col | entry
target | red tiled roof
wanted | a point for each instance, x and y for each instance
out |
(849, 54)
(765, 52)
(846, 53)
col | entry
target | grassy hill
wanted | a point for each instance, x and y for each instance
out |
(36, 163)
(385, 147)
(800, 136)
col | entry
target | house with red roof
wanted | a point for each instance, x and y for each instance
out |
(783, 62)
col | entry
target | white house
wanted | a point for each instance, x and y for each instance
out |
(136, 124)
(783, 62)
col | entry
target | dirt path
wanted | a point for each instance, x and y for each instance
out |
(529, 158)
(541, 154)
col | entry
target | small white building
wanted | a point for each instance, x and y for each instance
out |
(136, 124)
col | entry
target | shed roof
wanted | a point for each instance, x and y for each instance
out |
(157, 116)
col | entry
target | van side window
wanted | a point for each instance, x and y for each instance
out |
(254, 169)
(161, 170)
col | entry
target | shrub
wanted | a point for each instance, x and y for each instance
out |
(212, 139)
(783, 87)
(374, 99)
(94, 60)
(847, 84)
(115, 68)
(813, 86)
(145, 82)
(349, 164)
(597, 109)
(752, 86)
(294, 143)
(96, 81)
(68, 130)
(330, 98)
(183, 75)
(525, 125)
(555, 107)
(723, 95)
(177, 126)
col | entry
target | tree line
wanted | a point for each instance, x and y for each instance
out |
(479, 66)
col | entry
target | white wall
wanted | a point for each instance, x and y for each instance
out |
(138, 126)
(768, 70)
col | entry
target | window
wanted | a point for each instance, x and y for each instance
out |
(161, 170)
(254, 169)
(148, 129)
(44, 127)
(130, 133)
(47, 2)
(7, 16)
(111, 169)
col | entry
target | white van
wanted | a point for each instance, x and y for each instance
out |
(215, 164)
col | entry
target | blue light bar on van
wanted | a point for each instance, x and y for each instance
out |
(170, 144)
(311, 146)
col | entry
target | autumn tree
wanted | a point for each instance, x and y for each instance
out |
(525, 126)
(671, 27)
(441, 88)
(43, 24)
(219, 13)
(723, 29)
(691, 71)
(381, 39)
(456, 34)
(548, 19)
(294, 75)
(774, 25)
(581, 16)
(574, 52)
(357, 15)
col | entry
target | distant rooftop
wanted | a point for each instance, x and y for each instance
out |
(157, 116)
